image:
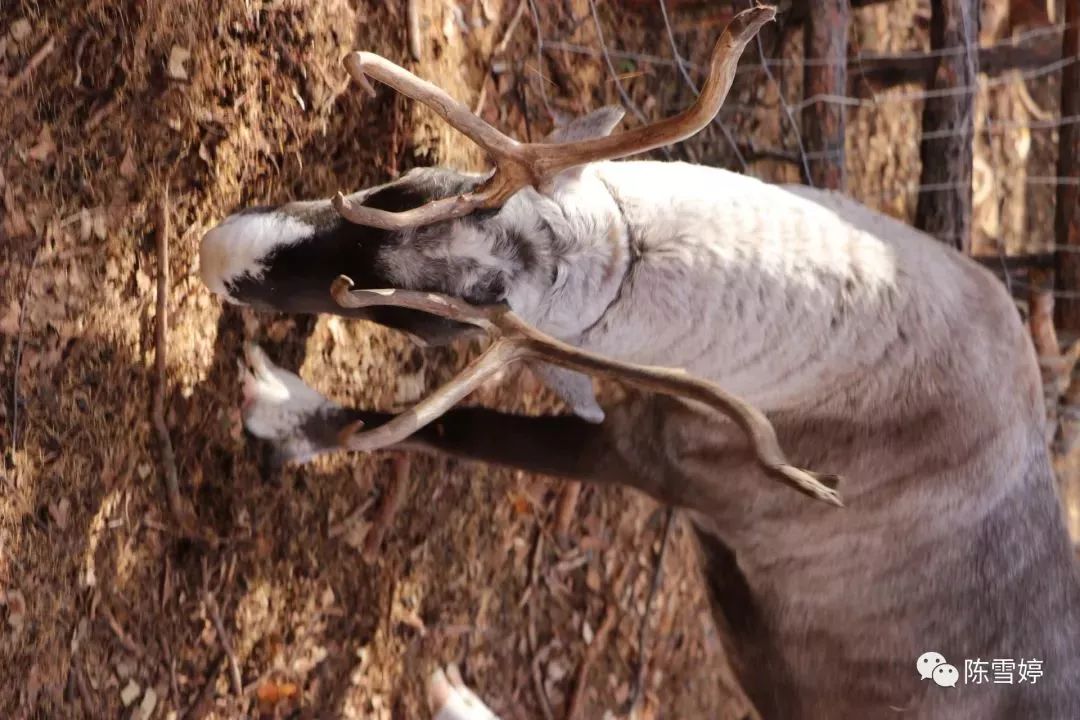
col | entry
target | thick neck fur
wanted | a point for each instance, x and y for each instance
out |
(882, 355)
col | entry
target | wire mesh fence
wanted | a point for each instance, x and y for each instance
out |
(954, 107)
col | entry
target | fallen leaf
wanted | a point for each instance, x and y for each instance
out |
(177, 57)
(60, 511)
(272, 693)
(44, 147)
(520, 504)
(9, 320)
(147, 706)
(127, 166)
(20, 29)
(16, 607)
(130, 692)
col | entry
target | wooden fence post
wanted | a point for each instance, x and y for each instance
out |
(1067, 212)
(1067, 255)
(826, 33)
(944, 204)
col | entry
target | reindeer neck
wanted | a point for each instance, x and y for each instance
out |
(779, 293)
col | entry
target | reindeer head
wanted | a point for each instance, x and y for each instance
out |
(538, 252)
(541, 233)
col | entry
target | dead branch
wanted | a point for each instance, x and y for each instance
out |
(391, 501)
(948, 125)
(226, 645)
(10, 85)
(161, 348)
(520, 165)
(516, 340)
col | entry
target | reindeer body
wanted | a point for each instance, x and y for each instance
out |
(886, 357)
(878, 354)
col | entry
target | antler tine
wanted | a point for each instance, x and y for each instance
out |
(549, 159)
(517, 340)
(435, 405)
(512, 171)
(519, 165)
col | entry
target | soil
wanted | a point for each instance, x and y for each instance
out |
(106, 608)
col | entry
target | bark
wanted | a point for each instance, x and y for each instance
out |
(944, 205)
(823, 122)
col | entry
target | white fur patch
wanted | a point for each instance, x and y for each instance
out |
(276, 401)
(241, 244)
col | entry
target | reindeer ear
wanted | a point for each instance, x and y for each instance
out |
(597, 123)
(573, 388)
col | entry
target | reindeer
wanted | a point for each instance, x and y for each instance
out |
(859, 345)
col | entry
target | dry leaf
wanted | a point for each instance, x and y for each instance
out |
(271, 693)
(129, 693)
(60, 512)
(147, 706)
(44, 147)
(9, 320)
(16, 608)
(127, 166)
(177, 57)
(520, 504)
(20, 29)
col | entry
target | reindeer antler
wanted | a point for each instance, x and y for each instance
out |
(516, 340)
(521, 164)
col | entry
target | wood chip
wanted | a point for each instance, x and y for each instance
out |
(147, 706)
(177, 57)
(129, 693)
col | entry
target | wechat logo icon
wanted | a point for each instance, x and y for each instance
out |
(932, 666)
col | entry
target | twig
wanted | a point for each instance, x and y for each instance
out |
(392, 496)
(223, 637)
(498, 50)
(342, 527)
(10, 85)
(534, 566)
(19, 351)
(161, 330)
(201, 706)
(538, 687)
(599, 641)
(564, 510)
(122, 637)
(658, 572)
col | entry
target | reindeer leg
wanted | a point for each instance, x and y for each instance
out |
(634, 446)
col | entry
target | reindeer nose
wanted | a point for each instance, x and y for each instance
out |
(240, 246)
(215, 259)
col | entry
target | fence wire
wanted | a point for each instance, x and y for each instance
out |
(668, 53)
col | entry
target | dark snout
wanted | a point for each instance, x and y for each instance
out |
(284, 258)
